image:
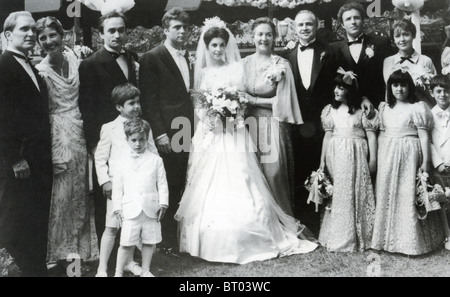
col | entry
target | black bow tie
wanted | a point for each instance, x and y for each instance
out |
(26, 59)
(358, 40)
(303, 47)
(408, 58)
(117, 55)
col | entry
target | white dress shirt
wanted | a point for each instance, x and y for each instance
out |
(180, 60)
(305, 62)
(356, 48)
(25, 66)
(121, 60)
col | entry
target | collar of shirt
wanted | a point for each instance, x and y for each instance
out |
(414, 57)
(308, 44)
(360, 37)
(122, 51)
(17, 52)
(173, 51)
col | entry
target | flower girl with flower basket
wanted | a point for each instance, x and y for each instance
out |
(349, 156)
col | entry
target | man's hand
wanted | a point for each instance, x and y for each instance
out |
(107, 190)
(163, 144)
(368, 108)
(161, 212)
(119, 215)
(21, 169)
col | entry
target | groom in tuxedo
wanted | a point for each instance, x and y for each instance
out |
(110, 66)
(25, 150)
(166, 77)
(363, 53)
(314, 65)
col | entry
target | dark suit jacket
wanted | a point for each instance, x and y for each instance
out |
(320, 92)
(163, 92)
(369, 70)
(24, 119)
(99, 75)
(24, 133)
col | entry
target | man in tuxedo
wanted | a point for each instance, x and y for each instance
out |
(25, 150)
(315, 66)
(363, 53)
(166, 77)
(110, 66)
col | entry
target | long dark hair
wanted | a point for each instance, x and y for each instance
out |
(397, 77)
(353, 98)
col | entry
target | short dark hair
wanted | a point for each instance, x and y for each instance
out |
(124, 92)
(49, 22)
(267, 21)
(353, 97)
(176, 13)
(440, 81)
(405, 25)
(349, 6)
(396, 77)
(215, 32)
(136, 125)
(115, 14)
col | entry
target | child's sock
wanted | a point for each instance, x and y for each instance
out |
(106, 246)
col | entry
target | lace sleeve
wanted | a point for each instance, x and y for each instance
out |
(372, 124)
(422, 116)
(327, 119)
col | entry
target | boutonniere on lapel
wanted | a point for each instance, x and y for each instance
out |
(370, 51)
(191, 59)
(322, 56)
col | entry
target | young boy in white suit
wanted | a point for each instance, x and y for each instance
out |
(140, 197)
(440, 135)
(108, 155)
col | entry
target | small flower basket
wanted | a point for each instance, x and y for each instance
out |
(429, 197)
(320, 188)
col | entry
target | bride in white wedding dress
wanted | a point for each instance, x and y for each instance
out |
(227, 212)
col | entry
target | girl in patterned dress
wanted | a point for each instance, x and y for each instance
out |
(349, 155)
(404, 148)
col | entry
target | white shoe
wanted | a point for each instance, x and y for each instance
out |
(147, 274)
(447, 243)
(101, 274)
(133, 267)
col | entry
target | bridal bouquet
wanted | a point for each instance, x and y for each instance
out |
(429, 197)
(319, 186)
(225, 104)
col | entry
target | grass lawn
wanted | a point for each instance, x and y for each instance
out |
(319, 263)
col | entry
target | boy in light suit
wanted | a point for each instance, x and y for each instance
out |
(140, 197)
(108, 156)
(440, 135)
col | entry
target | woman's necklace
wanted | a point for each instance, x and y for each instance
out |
(60, 69)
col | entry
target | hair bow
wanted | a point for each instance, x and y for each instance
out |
(348, 76)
